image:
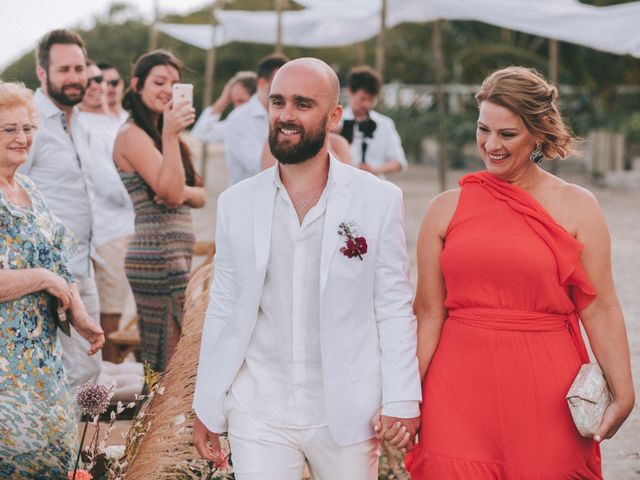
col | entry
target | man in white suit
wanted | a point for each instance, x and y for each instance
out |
(309, 330)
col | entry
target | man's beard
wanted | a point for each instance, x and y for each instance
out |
(62, 98)
(308, 146)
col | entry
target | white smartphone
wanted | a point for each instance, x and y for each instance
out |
(181, 92)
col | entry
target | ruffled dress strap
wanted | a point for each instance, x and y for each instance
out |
(565, 248)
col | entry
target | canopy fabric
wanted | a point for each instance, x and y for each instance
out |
(327, 23)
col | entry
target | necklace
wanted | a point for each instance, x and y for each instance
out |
(301, 210)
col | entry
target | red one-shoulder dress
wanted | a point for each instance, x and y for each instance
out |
(494, 396)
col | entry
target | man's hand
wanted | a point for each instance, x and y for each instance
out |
(399, 432)
(207, 444)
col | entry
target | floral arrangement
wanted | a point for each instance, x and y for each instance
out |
(355, 246)
(139, 426)
(94, 399)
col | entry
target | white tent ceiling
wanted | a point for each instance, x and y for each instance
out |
(326, 23)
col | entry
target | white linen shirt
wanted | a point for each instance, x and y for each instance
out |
(384, 147)
(280, 381)
(209, 128)
(60, 167)
(113, 209)
(245, 131)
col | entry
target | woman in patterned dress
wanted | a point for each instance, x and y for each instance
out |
(37, 416)
(156, 167)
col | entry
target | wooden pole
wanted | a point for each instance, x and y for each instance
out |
(360, 53)
(553, 78)
(153, 31)
(279, 4)
(380, 47)
(438, 58)
(209, 73)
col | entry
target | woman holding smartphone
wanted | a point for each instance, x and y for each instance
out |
(156, 168)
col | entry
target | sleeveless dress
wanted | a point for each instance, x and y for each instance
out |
(494, 396)
(38, 430)
(158, 263)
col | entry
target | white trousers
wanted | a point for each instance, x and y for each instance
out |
(78, 366)
(262, 452)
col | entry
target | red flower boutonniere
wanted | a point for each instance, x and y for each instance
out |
(355, 246)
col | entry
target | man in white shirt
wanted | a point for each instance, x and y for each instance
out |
(309, 334)
(114, 217)
(247, 127)
(115, 91)
(238, 90)
(375, 143)
(59, 164)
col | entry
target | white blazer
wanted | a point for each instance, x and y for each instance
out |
(367, 326)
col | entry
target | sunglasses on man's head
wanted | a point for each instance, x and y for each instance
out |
(114, 83)
(97, 79)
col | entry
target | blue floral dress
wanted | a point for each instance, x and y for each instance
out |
(37, 421)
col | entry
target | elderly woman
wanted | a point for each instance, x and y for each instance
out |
(37, 415)
(507, 265)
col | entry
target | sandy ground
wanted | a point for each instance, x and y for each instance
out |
(620, 201)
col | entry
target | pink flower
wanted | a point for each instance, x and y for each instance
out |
(81, 475)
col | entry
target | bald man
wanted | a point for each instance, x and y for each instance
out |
(309, 331)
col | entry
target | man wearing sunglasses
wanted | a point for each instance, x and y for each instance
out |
(115, 90)
(114, 217)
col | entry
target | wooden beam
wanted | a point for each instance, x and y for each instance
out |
(209, 79)
(153, 30)
(380, 47)
(279, 7)
(438, 58)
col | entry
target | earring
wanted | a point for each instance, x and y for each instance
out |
(537, 156)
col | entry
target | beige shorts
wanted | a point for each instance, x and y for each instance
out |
(113, 286)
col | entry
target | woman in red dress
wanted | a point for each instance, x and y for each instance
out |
(507, 263)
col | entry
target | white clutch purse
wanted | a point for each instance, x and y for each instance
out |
(588, 398)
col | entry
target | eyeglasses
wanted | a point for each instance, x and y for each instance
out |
(114, 83)
(14, 132)
(98, 79)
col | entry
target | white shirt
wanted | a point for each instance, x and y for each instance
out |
(246, 129)
(60, 166)
(113, 209)
(280, 381)
(122, 117)
(209, 128)
(384, 147)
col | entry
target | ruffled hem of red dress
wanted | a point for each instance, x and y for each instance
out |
(427, 466)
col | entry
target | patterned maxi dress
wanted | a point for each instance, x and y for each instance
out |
(158, 262)
(494, 396)
(37, 419)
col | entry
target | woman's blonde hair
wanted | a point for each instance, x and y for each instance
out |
(526, 93)
(15, 94)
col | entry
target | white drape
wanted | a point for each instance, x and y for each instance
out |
(326, 23)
